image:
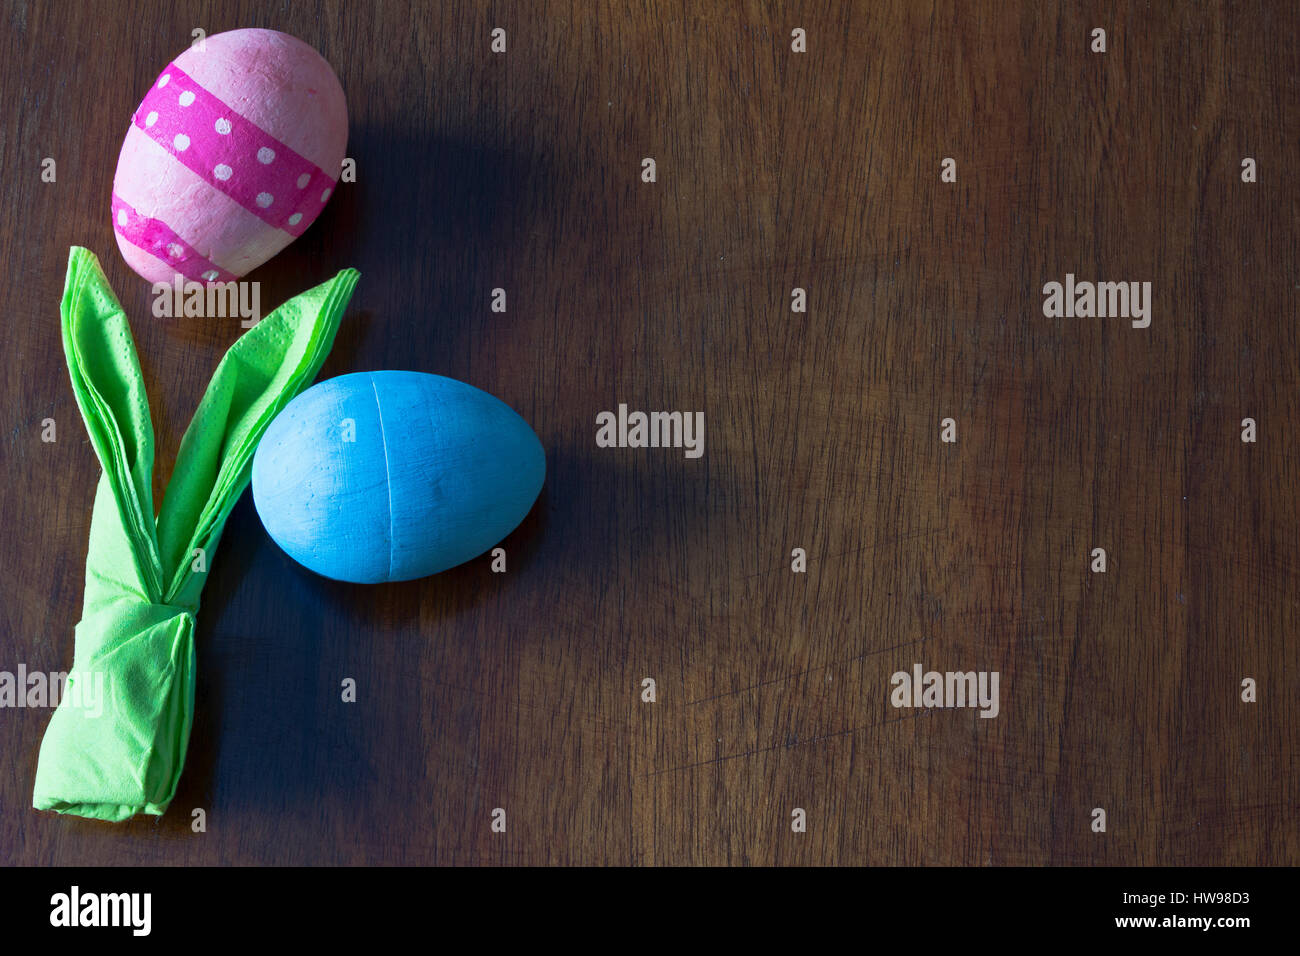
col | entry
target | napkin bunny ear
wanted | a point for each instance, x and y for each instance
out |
(116, 743)
(265, 369)
(109, 389)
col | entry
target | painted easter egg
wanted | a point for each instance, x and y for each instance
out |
(232, 154)
(389, 476)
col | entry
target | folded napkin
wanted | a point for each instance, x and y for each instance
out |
(135, 639)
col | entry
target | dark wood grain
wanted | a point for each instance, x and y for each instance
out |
(775, 170)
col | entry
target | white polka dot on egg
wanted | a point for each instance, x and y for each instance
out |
(181, 142)
(174, 250)
(295, 219)
(325, 195)
(265, 155)
(222, 172)
(151, 118)
(303, 180)
(121, 217)
(264, 199)
(164, 80)
(186, 98)
(223, 126)
(210, 275)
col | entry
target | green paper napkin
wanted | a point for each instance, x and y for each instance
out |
(135, 640)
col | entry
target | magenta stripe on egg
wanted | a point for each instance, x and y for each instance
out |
(232, 153)
(158, 239)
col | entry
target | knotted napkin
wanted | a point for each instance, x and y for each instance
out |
(124, 755)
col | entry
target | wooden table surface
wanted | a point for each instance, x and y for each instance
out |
(776, 170)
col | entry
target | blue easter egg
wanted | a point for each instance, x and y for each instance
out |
(389, 476)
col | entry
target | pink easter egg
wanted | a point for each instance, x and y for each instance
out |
(232, 154)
